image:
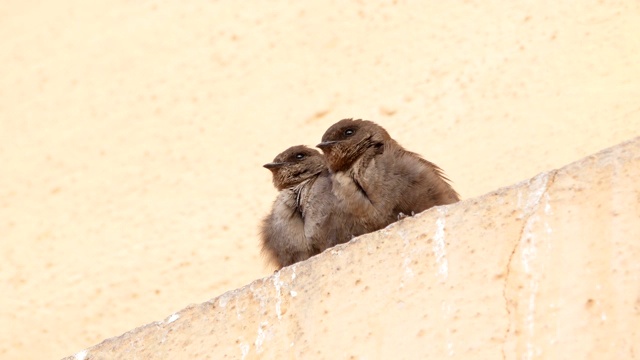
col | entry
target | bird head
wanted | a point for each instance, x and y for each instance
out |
(347, 140)
(295, 165)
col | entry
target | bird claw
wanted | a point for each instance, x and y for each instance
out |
(401, 215)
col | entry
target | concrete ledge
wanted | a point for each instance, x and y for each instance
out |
(545, 268)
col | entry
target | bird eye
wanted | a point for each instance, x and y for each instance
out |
(349, 132)
(299, 156)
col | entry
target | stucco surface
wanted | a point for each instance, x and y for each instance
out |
(132, 134)
(546, 269)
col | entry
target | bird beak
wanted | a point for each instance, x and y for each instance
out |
(326, 144)
(274, 165)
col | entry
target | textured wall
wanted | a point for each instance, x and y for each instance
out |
(132, 133)
(547, 268)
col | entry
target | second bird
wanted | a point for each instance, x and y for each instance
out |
(295, 229)
(377, 181)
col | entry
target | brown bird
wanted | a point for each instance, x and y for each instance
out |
(375, 180)
(296, 172)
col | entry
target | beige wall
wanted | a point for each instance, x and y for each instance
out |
(547, 269)
(132, 134)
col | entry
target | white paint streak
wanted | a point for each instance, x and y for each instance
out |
(173, 318)
(547, 212)
(222, 301)
(261, 336)
(245, 350)
(539, 186)
(547, 206)
(238, 313)
(81, 355)
(530, 250)
(519, 202)
(529, 253)
(278, 285)
(406, 262)
(439, 245)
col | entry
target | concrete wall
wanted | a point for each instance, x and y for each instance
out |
(132, 133)
(547, 268)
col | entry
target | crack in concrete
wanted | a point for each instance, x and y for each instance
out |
(528, 212)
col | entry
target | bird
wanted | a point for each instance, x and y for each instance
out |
(375, 180)
(295, 173)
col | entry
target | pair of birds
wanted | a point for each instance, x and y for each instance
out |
(364, 182)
